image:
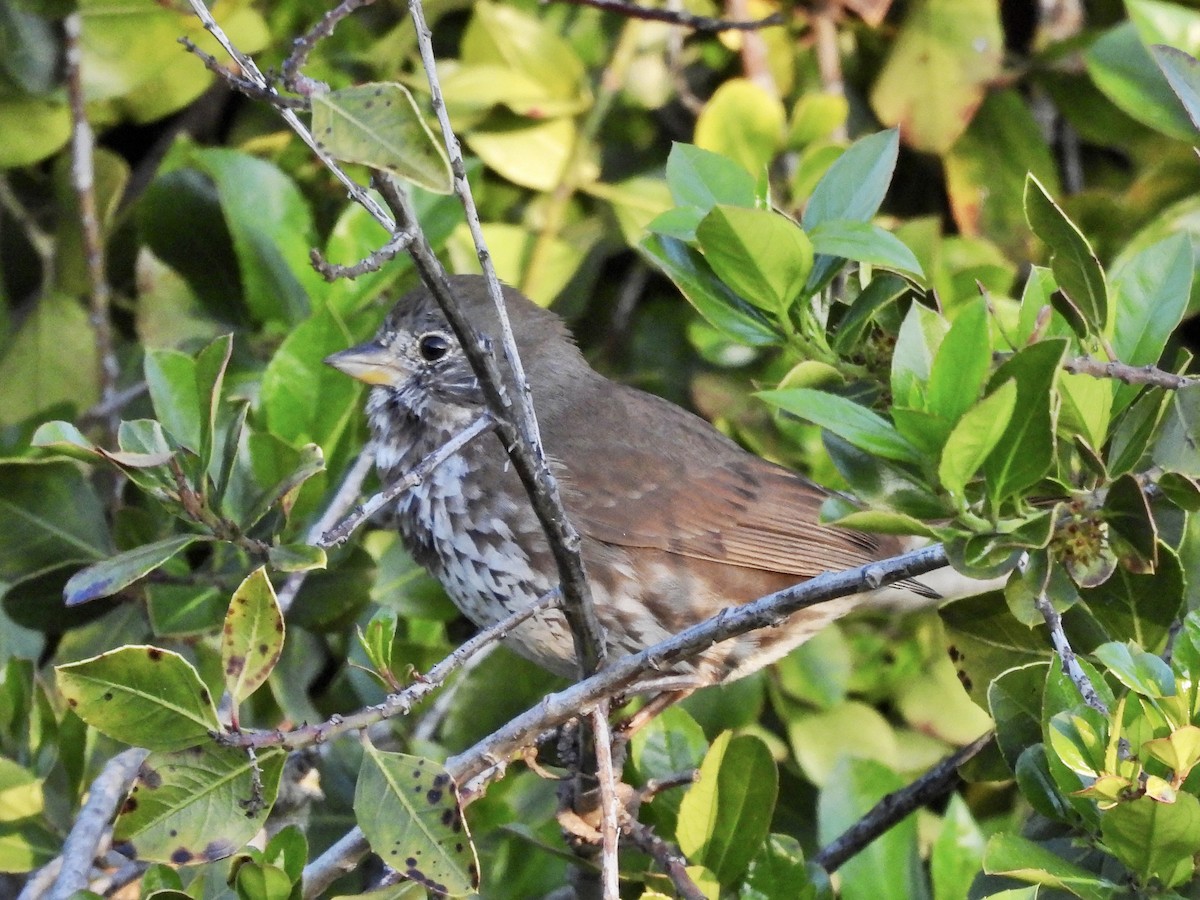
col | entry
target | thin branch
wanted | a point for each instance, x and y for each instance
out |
(254, 76)
(247, 86)
(347, 493)
(398, 704)
(829, 59)
(338, 860)
(42, 241)
(527, 454)
(934, 784)
(473, 766)
(104, 796)
(83, 183)
(667, 856)
(622, 674)
(114, 404)
(342, 531)
(523, 446)
(1127, 374)
(371, 263)
(610, 805)
(679, 17)
(1070, 663)
(303, 46)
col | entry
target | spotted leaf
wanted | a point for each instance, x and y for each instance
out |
(141, 695)
(408, 808)
(252, 639)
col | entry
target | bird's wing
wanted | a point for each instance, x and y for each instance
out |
(724, 504)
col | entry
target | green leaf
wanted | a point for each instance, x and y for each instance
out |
(142, 696)
(252, 639)
(1183, 74)
(864, 242)
(763, 256)
(779, 873)
(1137, 669)
(890, 866)
(34, 129)
(52, 357)
(379, 125)
(962, 363)
(534, 154)
(854, 187)
(975, 437)
(712, 298)
(500, 35)
(1072, 259)
(1121, 66)
(51, 517)
(303, 399)
(1025, 452)
(118, 572)
(669, 744)
(860, 426)
(921, 334)
(1135, 429)
(184, 610)
(1015, 701)
(986, 169)
(742, 121)
(701, 179)
(1038, 787)
(1179, 751)
(1155, 840)
(198, 805)
(726, 815)
(408, 808)
(949, 48)
(1150, 295)
(171, 377)
(1017, 857)
(271, 226)
(296, 557)
(957, 853)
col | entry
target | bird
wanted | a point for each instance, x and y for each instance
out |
(676, 520)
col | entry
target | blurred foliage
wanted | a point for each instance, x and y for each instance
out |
(890, 313)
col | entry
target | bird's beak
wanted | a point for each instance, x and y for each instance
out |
(370, 362)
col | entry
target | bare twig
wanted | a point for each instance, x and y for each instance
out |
(529, 459)
(622, 674)
(821, 18)
(303, 46)
(254, 76)
(1070, 663)
(79, 849)
(667, 856)
(114, 404)
(342, 531)
(680, 17)
(39, 239)
(83, 183)
(934, 784)
(610, 805)
(1127, 374)
(474, 765)
(335, 862)
(372, 263)
(347, 493)
(398, 704)
(755, 64)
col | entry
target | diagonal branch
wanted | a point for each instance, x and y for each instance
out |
(527, 454)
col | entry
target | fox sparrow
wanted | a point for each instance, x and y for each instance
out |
(677, 521)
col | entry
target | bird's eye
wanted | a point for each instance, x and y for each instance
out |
(433, 346)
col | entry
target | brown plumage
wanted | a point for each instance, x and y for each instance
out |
(677, 520)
